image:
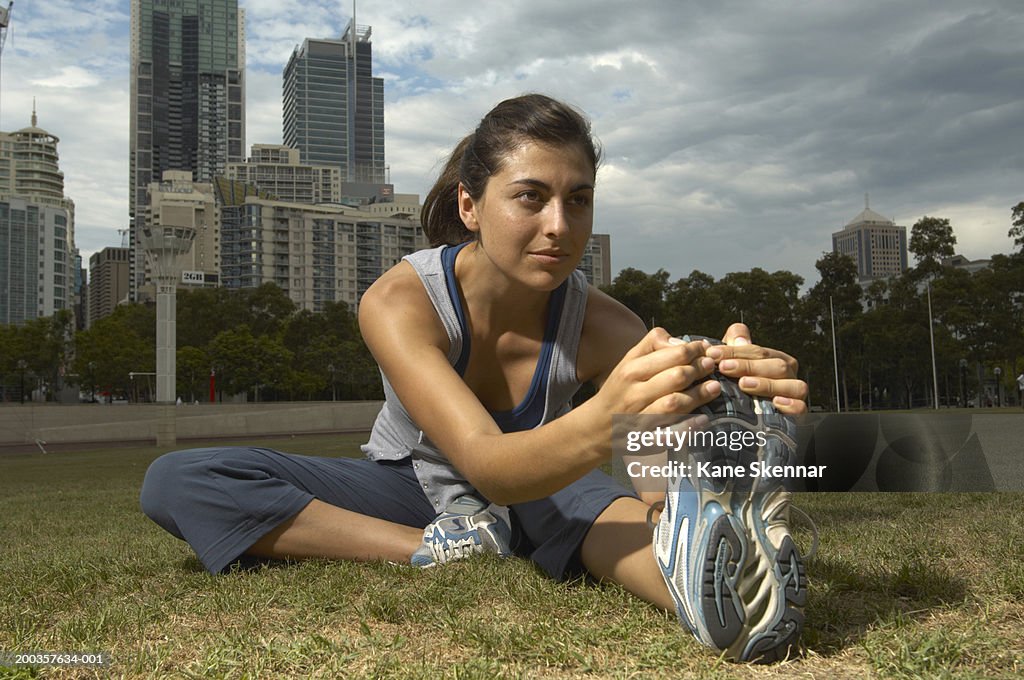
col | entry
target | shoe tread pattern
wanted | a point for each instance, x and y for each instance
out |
(743, 411)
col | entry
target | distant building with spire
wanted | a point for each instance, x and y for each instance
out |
(877, 245)
(37, 225)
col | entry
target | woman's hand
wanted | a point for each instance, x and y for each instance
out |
(660, 375)
(761, 371)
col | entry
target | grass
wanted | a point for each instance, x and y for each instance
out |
(904, 586)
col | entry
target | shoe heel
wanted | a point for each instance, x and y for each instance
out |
(721, 605)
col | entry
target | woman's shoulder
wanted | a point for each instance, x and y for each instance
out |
(398, 303)
(399, 284)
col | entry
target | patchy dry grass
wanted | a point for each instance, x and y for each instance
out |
(905, 586)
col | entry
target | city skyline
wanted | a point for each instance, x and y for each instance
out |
(735, 137)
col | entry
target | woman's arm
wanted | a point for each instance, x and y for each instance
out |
(656, 374)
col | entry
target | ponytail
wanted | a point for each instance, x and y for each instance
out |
(440, 216)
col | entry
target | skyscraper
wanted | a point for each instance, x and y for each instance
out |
(108, 282)
(37, 245)
(334, 107)
(876, 243)
(187, 97)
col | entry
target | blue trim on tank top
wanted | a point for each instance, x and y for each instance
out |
(530, 411)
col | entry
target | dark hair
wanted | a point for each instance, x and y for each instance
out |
(509, 125)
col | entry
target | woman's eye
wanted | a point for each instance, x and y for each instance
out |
(529, 196)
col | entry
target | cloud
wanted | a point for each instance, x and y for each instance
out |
(737, 134)
(70, 77)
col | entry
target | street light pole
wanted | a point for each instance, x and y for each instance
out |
(21, 367)
(999, 391)
(931, 337)
(963, 383)
(835, 353)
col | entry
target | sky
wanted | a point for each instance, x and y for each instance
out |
(735, 134)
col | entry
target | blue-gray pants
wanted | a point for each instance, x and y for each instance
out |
(222, 500)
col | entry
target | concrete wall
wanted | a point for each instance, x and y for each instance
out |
(56, 424)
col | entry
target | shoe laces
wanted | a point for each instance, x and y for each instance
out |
(783, 512)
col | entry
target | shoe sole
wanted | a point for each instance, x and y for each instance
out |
(738, 569)
(740, 565)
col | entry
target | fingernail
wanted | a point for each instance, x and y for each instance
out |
(706, 363)
(782, 401)
(675, 341)
(729, 365)
(714, 352)
(741, 341)
(748, 382)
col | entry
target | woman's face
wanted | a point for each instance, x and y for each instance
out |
(536, 214)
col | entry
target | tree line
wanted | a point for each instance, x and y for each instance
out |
(882, 340)
(253, 341)
(256, 342)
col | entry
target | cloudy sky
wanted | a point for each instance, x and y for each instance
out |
(736, 134)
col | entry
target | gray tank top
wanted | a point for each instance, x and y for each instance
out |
(395, 436)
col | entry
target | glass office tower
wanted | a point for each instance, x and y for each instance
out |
(334, 107)
(187, 97)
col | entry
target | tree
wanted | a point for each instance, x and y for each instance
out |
(931, 241)
(112, 348)
(694, 306)
(205, 312)
(192, 372)
(643, 293)
(766, 303)
(244, 362)
(1017, 230)
(44, 344)
(268, 308)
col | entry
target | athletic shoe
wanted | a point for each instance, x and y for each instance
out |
(723, 544)
(466, 527)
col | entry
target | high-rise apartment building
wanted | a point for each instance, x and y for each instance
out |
(334, 107)
(187, 97)
(316, 253)
(37, 245)
(876, 243)
(108, 281)
(276, 169)
(596, 263)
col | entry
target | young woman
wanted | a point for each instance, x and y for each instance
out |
(482, 341)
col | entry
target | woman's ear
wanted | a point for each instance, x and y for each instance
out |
(467, 209)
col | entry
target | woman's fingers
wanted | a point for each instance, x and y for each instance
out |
(657, 376)
(737, 334)
(687, 400)
(785, 392)
(658, 352)
(763, 372)
(739, 360)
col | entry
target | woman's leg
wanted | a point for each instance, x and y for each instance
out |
(226, 502)
(618, 548)
(323, 530)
